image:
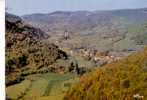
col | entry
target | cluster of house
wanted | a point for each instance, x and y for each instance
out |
(98, 57)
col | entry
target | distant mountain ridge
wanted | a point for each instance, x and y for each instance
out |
(110, 29)
(81, 21)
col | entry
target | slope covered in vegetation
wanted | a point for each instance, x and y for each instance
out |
(27, 53)
(122, 80)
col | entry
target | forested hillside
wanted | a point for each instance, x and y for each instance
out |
(122, 80)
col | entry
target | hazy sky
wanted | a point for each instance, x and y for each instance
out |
(21, 7)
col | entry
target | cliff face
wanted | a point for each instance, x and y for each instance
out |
(26, 51)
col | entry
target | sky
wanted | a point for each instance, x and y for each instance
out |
(22, 7)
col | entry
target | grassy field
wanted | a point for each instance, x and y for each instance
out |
(48, 86)
(133, 33)
(18, 90)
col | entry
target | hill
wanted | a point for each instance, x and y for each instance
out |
(102, 30)
(27, 52)
(84, 21)
(122, 80)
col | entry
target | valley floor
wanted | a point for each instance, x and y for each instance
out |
(42, 87)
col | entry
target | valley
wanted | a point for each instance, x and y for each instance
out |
(48, 55)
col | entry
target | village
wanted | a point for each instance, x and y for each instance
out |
(99, 58)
